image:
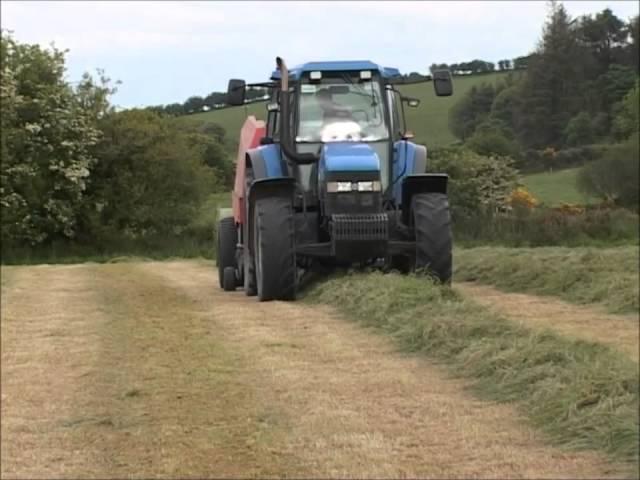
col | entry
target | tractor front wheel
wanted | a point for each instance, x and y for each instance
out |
(432, 224)
(274, 249)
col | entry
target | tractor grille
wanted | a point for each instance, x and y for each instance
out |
(369, 227)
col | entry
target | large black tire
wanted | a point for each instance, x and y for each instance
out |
(229, 281)
(432, 224)
(274, 248)
(249, 276)
(226, 254)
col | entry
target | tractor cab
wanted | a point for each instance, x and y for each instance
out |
(336, 151)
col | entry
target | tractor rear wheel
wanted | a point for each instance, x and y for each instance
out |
(432, 224)
(226, 254)
(274, 249)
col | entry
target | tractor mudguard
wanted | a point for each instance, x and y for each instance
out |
(408, 159)
(267, 187)
(266, 162)
(424, 183)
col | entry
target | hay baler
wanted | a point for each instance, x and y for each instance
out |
(331, 178)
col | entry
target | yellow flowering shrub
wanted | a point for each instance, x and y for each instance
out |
(522, 198)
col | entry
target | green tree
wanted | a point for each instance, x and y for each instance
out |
(506, 105)
(150, 180)
(633, 27)
(175, 109)
(47, 134)
(626, 121)
(468, 112)
(552, 90)
(615, 176)
(605, 35)
(579, 130)
(194, 104)
(479, 183)
(493, 137)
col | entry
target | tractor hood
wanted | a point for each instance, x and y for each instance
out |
(349, 157)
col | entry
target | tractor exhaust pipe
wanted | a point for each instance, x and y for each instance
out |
(286, 143)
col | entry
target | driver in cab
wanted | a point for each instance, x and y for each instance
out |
(339, 123)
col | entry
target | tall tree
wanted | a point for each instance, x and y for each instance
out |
(554, 82)
(605, 35)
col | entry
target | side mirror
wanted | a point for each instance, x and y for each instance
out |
(236, 92)
(442, 83)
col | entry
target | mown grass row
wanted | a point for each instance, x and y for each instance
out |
(582, 395)
(608, 277)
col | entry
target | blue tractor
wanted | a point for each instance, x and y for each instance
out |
(331, 178)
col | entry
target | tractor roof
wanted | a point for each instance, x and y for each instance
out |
(341, 66)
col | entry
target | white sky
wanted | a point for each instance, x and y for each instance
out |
(164, 52)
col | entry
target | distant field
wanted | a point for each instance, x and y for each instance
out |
(429, 121)
(556, 187)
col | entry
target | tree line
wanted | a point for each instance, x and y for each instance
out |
(580, 88)
(74, 169)
(482, 66)
(213, 101)
(216, 100)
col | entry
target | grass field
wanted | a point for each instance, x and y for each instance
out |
(429, 121)
(582, 394)
(149, 369)
(604, 276)
(554, 188)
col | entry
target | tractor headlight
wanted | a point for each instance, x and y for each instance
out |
(333, 187)
(336, 187)
(369, 186)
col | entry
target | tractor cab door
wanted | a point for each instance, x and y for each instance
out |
(398, 125)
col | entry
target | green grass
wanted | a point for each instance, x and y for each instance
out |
(603, 276)
(555, 188)
(582, 395)
(429, 121)
(197, 242)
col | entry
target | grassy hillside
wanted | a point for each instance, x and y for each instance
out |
(556, 187)
(429, 121)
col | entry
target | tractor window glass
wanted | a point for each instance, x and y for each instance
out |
(339, 109)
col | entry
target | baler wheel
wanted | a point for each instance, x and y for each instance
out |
(229, 281)
(226, 254)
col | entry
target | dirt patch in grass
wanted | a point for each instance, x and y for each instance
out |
(587, 323)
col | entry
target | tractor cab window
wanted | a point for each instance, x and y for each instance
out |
(341, 108)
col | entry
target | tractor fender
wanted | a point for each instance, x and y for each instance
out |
(263, 188)
(421, 183)
(408, 159)
(259, 162)
(266, 162)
